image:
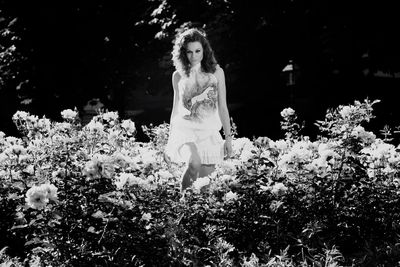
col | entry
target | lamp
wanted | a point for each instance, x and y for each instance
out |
(290, 73)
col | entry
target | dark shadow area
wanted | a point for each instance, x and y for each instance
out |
(70, 53)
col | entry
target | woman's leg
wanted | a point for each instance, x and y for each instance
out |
(206, 169)
(193, 165)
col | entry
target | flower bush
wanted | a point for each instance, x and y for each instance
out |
(74, 195)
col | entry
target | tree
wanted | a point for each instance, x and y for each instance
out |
(13, 76)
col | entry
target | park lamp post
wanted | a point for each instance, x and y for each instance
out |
(289, 72)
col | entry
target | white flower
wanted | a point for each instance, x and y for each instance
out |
(58, 173)
(139, 182)
(99, 214)
(146, 216)
(17, 150)
(95, 126)
(318, 165)
(124, 160)
(278, 189)
(110, 116)
(287, 112)
(3, 157)
(38, 196)
(32, 119)
(62, 127)
(346, 111)
(275, 204)
(201, 182)
(91, 169)
(230, 196)
(371, 173)
(388, 170)
(394, 158)
(379, 150)
(265, 154)
(228, 166)
(281, 145)
(303, 150)
(326, 155)
(163, 174)
(243, 147)
(129, 126)
(30, 169)
(226, 177)
(20, 115)
(51, 191)
(113, 134)
(4, 174)
(122, 179)
(148, 155)
(151, 178)
(285, 162)
(12, 140)
(69, 114)
(322, 147)
(366, 137)
(44, 124)
(130, 179)
(99, 166)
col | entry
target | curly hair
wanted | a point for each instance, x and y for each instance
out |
(179, 57)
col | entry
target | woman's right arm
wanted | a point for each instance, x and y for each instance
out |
(175, 79)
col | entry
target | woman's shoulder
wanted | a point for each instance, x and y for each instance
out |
(176, 76)
(219, 72)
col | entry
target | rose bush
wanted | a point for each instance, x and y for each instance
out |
(75, 195)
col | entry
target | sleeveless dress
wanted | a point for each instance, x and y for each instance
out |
(197, 119)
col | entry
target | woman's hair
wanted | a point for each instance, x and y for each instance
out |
(179, 56)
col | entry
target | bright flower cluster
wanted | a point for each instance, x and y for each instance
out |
(37, 197)
(123, 189)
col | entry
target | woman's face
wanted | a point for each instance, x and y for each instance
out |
(194, 52)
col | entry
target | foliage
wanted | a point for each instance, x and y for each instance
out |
(12, 58)
(9, 56)
(93, 195)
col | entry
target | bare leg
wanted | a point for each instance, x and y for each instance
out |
(193, 166)
(206, 169)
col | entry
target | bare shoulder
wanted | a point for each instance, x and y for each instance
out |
(219, 72)
(176, 75)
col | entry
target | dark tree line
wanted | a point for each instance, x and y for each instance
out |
(66, 53)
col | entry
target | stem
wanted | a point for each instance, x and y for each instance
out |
(338, 176)
(10, 174)
(67, 161)
(105, 227)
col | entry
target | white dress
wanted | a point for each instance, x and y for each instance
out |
(197, 118)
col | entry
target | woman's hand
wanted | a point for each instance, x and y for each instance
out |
(228, 151)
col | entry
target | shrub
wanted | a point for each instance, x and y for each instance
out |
(93, 195)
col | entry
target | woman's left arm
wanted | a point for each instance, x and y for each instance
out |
(222, 106)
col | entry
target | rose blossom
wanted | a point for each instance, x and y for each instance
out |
(69, 114)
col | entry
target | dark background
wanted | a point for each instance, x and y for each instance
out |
(69, 52)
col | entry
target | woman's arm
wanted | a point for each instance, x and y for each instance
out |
(222, 106)
(175, 79)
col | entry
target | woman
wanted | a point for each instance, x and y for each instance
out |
(199, 108)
